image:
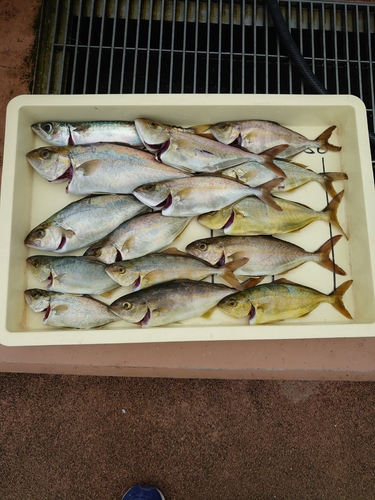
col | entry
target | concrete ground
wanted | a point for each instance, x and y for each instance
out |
(169, 419)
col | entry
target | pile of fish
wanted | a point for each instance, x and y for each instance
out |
(142, 183)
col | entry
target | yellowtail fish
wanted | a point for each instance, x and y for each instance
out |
(170, 302)
(100, 168)
(253, 174)
(265, 255)
(281, 300)
(69, 134)
(259, 135)
(200, 194)
(200, 154)
(64, 310)
(251, 217)
(83, 222)
(155, 268)
(137, 237)
(71, 274)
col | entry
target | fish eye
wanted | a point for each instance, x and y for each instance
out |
(149, 187)
(202, 246)
(46, 154)
(96, 252)
(223, 126)
(153, 124)
(232, 303)
(35, 294)
(126, 306)
(40, 233)
(121, 270)
(47, 127)
(35, 264)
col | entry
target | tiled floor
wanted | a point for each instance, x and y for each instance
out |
(65, 437)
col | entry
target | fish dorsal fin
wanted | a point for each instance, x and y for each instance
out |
(284, 281)
(175, 251)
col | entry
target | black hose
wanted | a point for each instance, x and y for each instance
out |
(295, 54)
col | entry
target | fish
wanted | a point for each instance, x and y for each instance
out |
(281, 300)
(251, 217)
(265, 255)
(253, 174)
(65, 310)
(71, 274)
(200, 194)
(137, 237)
(83, 222)
(100, 168)
(259, 135)
(69, 134)
(170, 302)
(200, 154)
(155, 268)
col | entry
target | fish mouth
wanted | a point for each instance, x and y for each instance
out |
(146, 318)
(229, 222)
(252, 314)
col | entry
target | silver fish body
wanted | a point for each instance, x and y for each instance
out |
(100, 168)
(253, 174)
(68, 134)
(155, 268)
(71, 274)
(280, 300)
(69, 311)
(137, 237)
(259, 135)
(169, 302)
(83, 222)
(198, 194)
(200, 154)
(265, 255)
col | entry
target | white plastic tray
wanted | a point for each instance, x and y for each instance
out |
(27, 199)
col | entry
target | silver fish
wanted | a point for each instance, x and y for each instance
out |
(64, 310)
(83, 222)
(155, 268)
(253, 174)
(200, 154)
(100, 168)
(280, 300)
(170, 302)
(141, 235)
(259, 135)
(265, 255)
(71, 274)
(199, 194)
(250, 216)
(69, 134)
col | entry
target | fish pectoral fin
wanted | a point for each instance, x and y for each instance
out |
(127, 244)
(58, 277)
(109, 294)
(175, 251)
(239, 256)
(69, 233)
(184, 193)
(208, 313)
(90, 167)
(60, 309)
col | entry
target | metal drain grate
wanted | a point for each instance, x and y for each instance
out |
(165, 46)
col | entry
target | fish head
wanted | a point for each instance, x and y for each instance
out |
(48, 237)
(154, 194)
(212, 252)
(217, 219)
(123, 273)
(226, 132)
(55, 133)
(50, 162)
(40, 266)
(131, 308)
(37, 300)
(237, 306)
(153, 134)
(104, 252)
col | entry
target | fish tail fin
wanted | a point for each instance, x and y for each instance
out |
(323, 140)
(251, 282)
(337, 299)
(331, 210)
(265, 195)
(228, 270)
(329, 177)
(324, 259)
(268, 157)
